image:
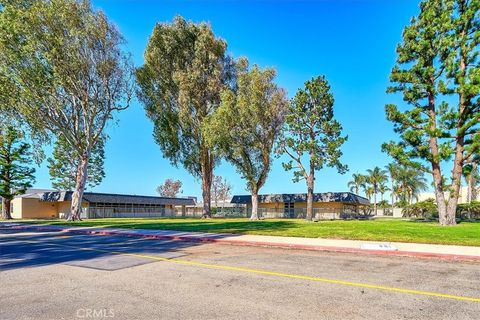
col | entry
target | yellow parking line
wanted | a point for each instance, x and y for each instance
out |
(276, 274)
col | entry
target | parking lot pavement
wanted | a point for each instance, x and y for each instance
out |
(52, 275)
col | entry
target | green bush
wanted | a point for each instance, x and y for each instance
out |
(469, 211)
(428, 210)
(421, 210)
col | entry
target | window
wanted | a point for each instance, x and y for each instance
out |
(289, 209)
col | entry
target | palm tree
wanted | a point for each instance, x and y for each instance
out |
(471, 175)
(397, 192)
(376, 177)
(382, 189)
(411, 181)
(417, 183)
(392, 169)
(369, 191)
(365, 185)
(356, 183)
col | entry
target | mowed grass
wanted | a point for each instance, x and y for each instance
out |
(465, 233)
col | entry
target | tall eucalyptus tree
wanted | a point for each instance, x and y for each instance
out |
(186, 67)
(66, 65)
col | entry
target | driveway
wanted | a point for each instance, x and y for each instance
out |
(57, 275)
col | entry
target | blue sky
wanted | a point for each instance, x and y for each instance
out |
(351, 42)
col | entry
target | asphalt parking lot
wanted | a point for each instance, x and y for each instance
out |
(51, 275)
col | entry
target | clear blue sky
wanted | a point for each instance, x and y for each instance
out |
(351, 42)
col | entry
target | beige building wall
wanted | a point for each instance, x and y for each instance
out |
(32, 208)
(336, 205)
(274, 205)
(299, 205)
(17, 208)
(63, 208)
(461, 199)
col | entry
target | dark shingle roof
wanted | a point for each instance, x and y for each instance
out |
(115, 198)
(346, 197)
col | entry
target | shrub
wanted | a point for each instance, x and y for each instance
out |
(469, 211)
(423, 210)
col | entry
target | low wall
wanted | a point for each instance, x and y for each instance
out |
(397, 212)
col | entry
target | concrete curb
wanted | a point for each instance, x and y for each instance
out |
(216, 238)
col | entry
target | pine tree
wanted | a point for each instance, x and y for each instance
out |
(16, 173)
(64, 164)
(437, 73)
(312, 130)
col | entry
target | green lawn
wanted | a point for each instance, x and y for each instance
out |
(465, 233)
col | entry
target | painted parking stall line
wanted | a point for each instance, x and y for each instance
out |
(272, 273)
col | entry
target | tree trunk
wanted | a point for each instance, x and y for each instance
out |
(206, 184)
(451, 211)
(451, 208)
(436, 170)
(439, 195)
(6, 204)
(77, 196)
(392, 196)
(469, 188)
(310, 185)
(206, 191)
(375, 201)
(254, 215)
(207, 176)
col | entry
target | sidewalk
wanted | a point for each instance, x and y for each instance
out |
(446, 252)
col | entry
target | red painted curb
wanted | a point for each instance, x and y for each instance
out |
(213, 239)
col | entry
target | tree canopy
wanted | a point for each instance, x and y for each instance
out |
(65, 69)
(437, 74)
(63, 165)
(170, 188)
(311, 130)
(247, 124)
(221, 190)
(16, 171)
(186, 67)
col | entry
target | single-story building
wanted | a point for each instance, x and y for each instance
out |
(219, 209)
(326, 205)
(56, 204)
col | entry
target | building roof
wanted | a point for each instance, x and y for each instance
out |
(346, 197)
(93, 197)
(33, 193)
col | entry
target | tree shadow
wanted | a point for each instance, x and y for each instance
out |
(217, 225)
(459, 221)
(29, 248)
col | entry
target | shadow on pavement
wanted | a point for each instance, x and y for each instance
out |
(198, 225)
(27, 248)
